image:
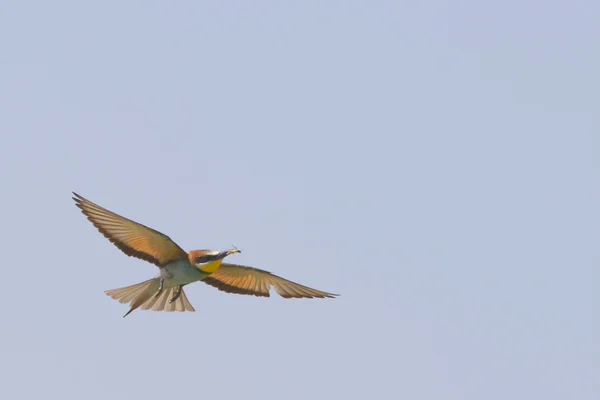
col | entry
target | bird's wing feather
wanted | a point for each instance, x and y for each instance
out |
(132, 238)
(240, 279)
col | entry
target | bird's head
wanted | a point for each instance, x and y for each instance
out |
(210, 260)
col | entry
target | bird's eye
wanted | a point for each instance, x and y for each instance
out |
(203, 259)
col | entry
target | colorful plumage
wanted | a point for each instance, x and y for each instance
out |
(178, 268)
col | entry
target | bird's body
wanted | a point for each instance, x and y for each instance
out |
(178, 268)
(182, 272)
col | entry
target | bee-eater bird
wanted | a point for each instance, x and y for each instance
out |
(178, 268)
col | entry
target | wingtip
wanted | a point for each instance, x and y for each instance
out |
(328, 296)
(78, 198)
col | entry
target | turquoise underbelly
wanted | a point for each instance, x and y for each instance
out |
(182, 273)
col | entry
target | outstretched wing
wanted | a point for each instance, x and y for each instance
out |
(132, 238)
(233, 278)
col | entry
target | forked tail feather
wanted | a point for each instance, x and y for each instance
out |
(143, 295)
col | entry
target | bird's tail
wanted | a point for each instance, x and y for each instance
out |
(143, 295)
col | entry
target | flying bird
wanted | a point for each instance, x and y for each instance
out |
(177, 268)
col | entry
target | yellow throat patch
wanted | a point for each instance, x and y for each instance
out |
(211, 266)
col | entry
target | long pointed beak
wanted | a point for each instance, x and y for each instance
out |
(226, 253)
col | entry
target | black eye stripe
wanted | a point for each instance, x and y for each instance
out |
(203, 259)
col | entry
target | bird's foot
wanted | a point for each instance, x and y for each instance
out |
(176, 295)
(160, 288)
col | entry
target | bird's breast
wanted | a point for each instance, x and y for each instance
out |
(182, 273)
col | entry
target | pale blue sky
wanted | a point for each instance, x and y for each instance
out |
(437, 163)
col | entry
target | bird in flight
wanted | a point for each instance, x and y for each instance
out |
(178, 268)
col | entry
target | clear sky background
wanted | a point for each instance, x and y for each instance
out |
(437, 163)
